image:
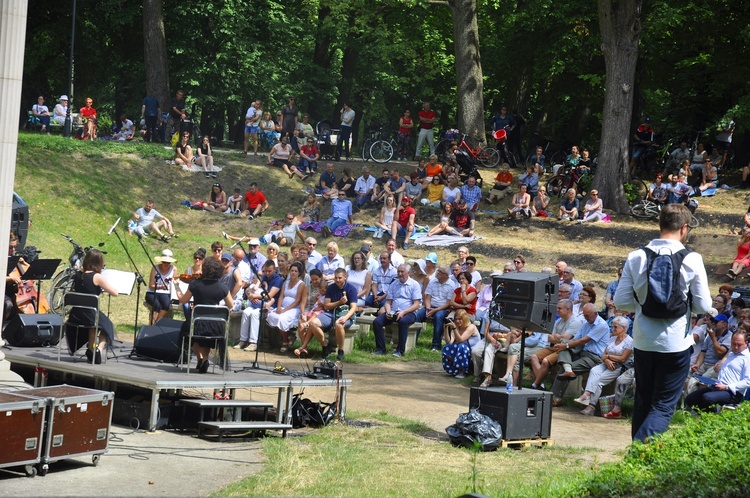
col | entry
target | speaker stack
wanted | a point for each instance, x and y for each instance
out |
(525, 300)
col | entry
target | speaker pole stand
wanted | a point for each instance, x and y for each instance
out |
(520, 363)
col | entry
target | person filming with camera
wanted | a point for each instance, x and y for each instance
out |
(404, 298)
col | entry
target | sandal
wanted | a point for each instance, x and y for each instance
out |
(613, 414)
(283, 349)
(300, 351)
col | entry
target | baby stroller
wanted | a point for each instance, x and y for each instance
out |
(467, 166)
(327, 140)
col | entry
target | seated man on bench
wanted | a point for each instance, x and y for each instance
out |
(340, 305)
(404, 298)
(437, 302)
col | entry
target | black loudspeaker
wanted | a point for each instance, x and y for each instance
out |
(33, 330)
(523, 414)
(160, 341)
(525, 300)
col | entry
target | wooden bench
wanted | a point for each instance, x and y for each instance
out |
(350, 335)
(391, 334)
(53, 125)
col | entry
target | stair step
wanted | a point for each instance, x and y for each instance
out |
(224, 403)
(222, 427)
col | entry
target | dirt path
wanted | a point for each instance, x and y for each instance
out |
(422, 391)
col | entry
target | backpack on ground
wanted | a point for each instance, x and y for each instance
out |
(664, 298)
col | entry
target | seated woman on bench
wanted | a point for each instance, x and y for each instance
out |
(206, 290)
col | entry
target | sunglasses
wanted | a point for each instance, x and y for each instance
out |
(518, 262)
(200, 258)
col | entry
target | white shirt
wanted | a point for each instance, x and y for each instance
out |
(439, 293)
(655, 334)
(397, 259)
(314, 257)
(363, 186)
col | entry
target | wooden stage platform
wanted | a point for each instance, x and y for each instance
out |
(162, 378)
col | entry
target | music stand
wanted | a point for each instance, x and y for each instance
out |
(12, 264)
(41, 269)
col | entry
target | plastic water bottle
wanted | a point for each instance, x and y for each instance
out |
(509, 387)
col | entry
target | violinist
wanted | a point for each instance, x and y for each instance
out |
(12, 282)
(192, 272)
(159, 294)
(22, 294)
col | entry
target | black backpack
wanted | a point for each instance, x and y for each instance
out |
(664, 298)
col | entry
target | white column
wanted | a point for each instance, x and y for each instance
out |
(12, 39)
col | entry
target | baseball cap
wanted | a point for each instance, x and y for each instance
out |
(432, 258)
(365, 249)
(225, 256)
(462, 201)
(405, 199)
(721, 318)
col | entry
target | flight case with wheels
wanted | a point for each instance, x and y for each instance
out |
(78, 422)
(21, 428)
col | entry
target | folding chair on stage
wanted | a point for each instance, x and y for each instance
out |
(77, 300)
(208, 313)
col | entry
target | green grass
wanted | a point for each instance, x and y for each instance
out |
(394, 458)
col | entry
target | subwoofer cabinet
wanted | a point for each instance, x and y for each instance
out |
(523, 414)
(78, 422)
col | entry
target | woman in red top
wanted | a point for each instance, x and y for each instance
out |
(465, 295)
(405, 126)
(88, 112)
(742, 260)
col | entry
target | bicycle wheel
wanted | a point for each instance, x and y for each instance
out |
(61, 285)
(489, 157)
(440, 149)
(381, 151)
(365, 153)
(635, 191)
(644, 210)
(556, 186)
(558, 157)
(584, 183)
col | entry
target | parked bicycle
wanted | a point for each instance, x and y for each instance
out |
(372, 133)
(649, 210)
(488, 157)
(382, 150)
(63, 281)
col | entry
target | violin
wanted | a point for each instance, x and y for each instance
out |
(184, 277)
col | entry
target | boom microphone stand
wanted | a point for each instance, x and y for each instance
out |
(138, 278)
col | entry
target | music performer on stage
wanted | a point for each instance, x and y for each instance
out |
(159, 295)
(205, 290)
(91, 281)
(12, 283)
(21, 295)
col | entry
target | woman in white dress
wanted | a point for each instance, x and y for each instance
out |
(359, 277)
(386, 217)
(286, 314)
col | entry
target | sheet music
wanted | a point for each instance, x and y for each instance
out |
(123, 281)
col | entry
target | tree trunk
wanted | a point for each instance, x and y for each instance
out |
(155, 53)
(620, 26)
(468, 67)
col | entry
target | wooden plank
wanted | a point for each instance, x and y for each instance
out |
(523, 443)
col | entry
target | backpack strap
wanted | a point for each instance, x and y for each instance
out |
(650, 256)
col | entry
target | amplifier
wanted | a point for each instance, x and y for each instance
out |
(326, 370)
(523, 414)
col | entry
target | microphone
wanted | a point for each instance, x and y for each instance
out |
(114, 226)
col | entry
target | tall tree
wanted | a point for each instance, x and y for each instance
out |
(620, 26)
(155, 52)
(469, 84)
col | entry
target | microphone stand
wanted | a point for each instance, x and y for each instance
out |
(157, 274)
(263, 311)
(139, 280)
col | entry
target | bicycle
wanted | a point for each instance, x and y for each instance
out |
(381, 151)
(489, 157)
(649, 210)
(373, 133)
(63, 281)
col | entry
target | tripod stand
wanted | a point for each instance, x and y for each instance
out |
(138, 278)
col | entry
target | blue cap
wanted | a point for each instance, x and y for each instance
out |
(721, 318)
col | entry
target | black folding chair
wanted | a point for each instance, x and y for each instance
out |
(209, 313)
(77, 300)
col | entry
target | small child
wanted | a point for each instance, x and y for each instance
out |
(235, 202)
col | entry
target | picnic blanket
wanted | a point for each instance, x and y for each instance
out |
(443, 240)
(419, 231)
(317, 226)
(197, 168)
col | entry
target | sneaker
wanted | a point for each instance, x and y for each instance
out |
(579, 221)
(397, 354)
(460, 374)
(224, 234)
(340, 355)
(435, 350)
(327, 350)
(213, 175)
(582, 400)
(326, 231)
(251, 347)
(378, 352)
(250, 216)
(206, 175)
(241, 345)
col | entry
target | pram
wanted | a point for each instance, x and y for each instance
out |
(467, 166)
(327, 141)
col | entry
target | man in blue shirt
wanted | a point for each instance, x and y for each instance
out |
(404, 298)
(590, 341)
(340, 306)
(471, 193)
(341, 213)
(327, 184)
(150, 112)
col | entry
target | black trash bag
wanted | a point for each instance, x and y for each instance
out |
(305, 413)
(474, 426)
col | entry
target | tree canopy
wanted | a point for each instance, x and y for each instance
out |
(541, 57)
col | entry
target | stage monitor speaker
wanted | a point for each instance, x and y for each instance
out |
(33, 330)
(523, 414)
(160, 341)
(525, 300)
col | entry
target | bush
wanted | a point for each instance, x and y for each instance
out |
(707, 456)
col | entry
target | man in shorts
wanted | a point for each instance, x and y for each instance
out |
(147, 219)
